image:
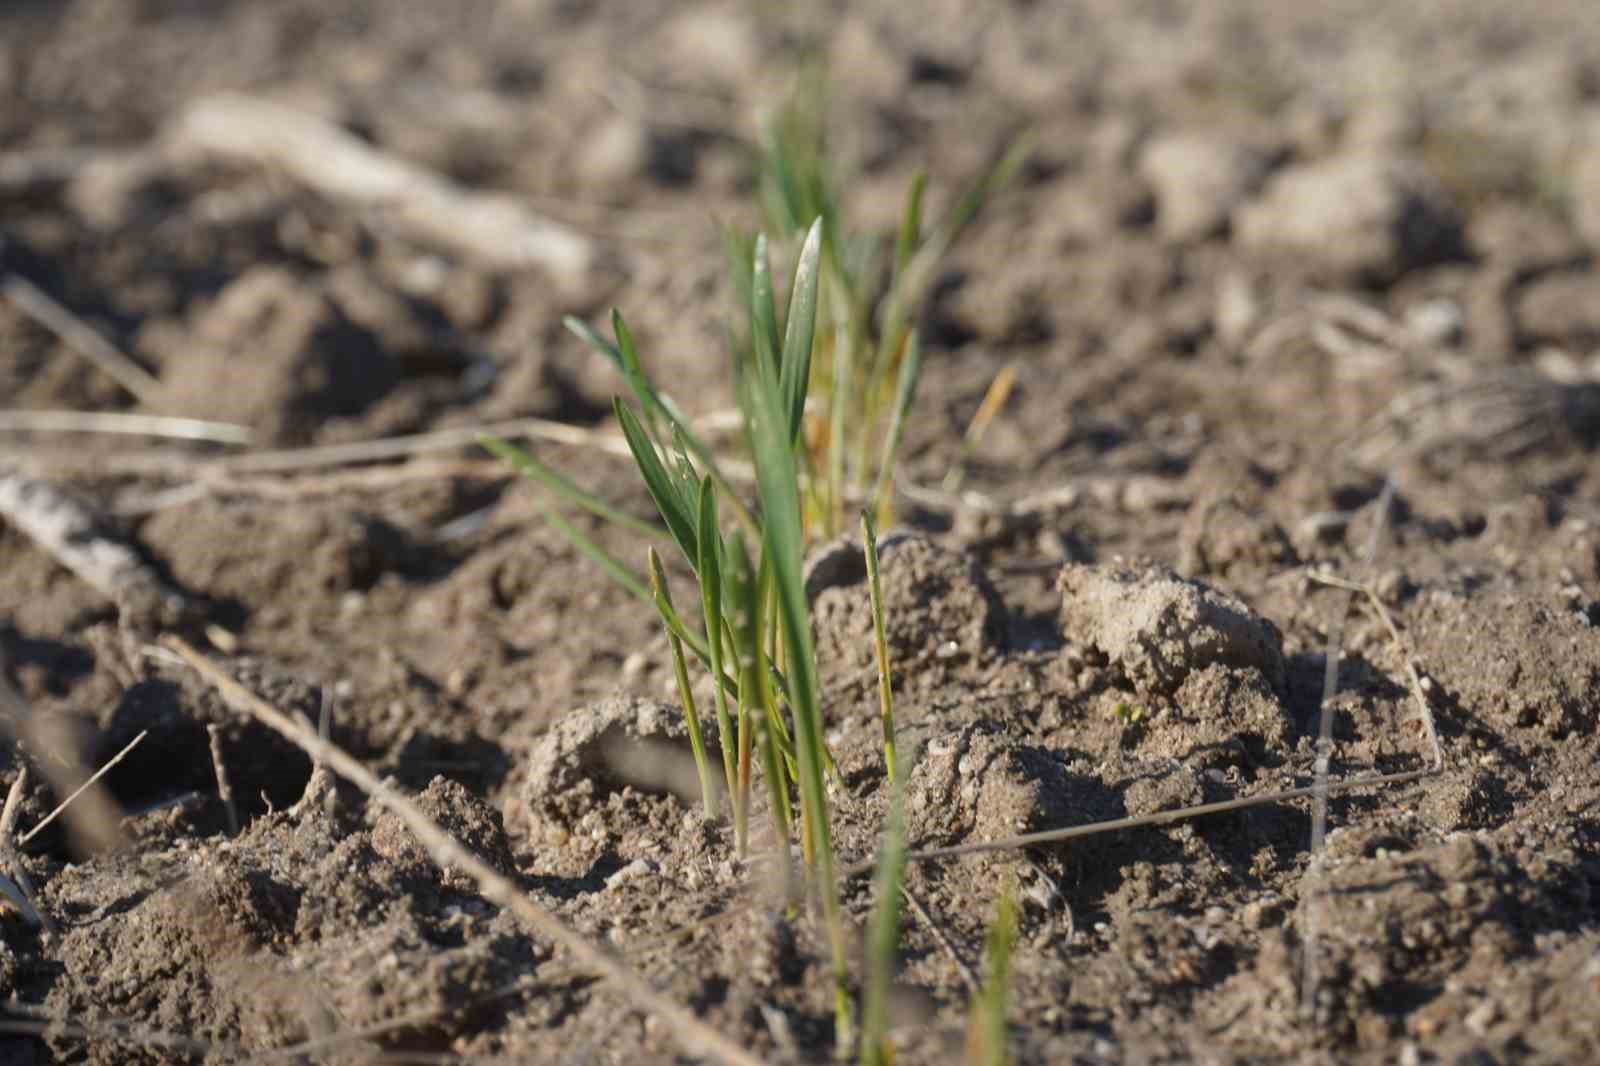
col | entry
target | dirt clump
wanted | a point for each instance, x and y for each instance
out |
(1264, 266)
(276, 353)
(1157, 628)
(941, 611)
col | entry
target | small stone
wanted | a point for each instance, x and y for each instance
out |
(1238, 309)
(1198, 181)
(1560, 309)
(1438, 323)
(614, 154)
(1158, 628)
(634, 871)
(1362, 218)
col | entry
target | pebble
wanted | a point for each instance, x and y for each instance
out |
(1198, 180)
(1355, 219)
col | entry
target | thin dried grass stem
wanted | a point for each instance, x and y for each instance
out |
(123, 424)
(219, 767)
(78, 335)
(81, 789)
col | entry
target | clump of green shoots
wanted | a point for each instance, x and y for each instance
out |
(867, 362)
(753, 603)
(860, 354)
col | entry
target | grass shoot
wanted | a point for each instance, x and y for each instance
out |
(869, 542)
(988, 1038)
(883, 941)
(867, 362)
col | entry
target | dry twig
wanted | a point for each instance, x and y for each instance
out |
(496, 230)
(224, 786)
(74, 536)
(78, 335)
(95, 818)
(81, 789)
(121, 423)
(17, 886)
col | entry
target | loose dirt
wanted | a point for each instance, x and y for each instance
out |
(1265, 260)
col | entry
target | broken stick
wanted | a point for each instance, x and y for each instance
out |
(73, 534)
(497, 230)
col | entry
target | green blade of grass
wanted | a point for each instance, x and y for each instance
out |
(911, 284)
(763, 306)
(615, 569)
(593, 339)
(745, 596)
(843, 387)
(780, 507)
(709, 569)
(883, 941)
(998, 177)
(910, 223)
(988, 1037)
(783, 196)
(691, 717)
(795, 372)
(905, 392)
(869, 539)
(660, 408)
(531, 468)
(663, 488)
(633, 374)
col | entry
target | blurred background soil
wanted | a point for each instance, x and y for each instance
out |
(1263, 258)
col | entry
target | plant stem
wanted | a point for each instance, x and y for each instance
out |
(869, 536)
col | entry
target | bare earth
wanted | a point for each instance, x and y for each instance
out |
(1264, 258)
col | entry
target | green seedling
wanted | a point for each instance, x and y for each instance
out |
(988, 1038)
(754, 611)
(753, 628)
(772, 419)
(1129, 714)
(867, 363)
(680, 670)
(709, 567)
(883, 940)
(869, 540)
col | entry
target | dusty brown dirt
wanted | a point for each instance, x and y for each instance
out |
(1264, 257)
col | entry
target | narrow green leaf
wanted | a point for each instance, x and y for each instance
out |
(780, 508)
(658, 406)
(905, 391)
(675, 511)
(910, 223)
(709, 568)
(755, 688)
(607, 562)
(883, 940)
(869, 539)
(763, 307)
(593, 339)
(691, 717)
(633, 373)
(998, 177)
(988, 1038)
(531, 468)
(783, 195)
(795, 367)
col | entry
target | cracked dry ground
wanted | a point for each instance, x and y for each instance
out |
(1264, 258)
